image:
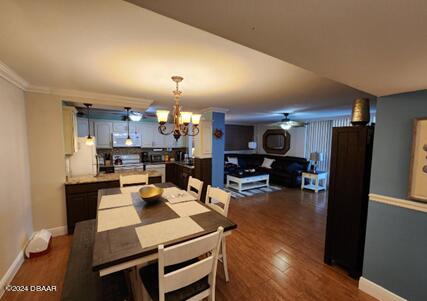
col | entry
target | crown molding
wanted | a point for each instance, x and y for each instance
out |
(97, 97)
(12, 77)
(214, 109)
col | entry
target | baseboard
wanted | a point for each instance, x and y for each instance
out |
(58, 231)
(11, 272)
(377, 291)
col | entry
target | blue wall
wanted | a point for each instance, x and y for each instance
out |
(396, 238)
(218, 147)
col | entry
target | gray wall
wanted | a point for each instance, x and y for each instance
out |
(396, 238)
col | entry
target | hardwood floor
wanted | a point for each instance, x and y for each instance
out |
(45, 270)
(276, 253)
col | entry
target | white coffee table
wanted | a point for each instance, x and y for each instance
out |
(247, 181)
(316, 181)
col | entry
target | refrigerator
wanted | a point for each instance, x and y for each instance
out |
(83, 162)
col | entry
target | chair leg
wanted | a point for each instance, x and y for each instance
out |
(224, 258)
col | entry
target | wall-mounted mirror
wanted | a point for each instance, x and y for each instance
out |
(276, 141)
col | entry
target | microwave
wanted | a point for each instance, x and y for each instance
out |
(119, 140)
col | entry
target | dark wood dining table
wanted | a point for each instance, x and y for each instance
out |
(119, 249)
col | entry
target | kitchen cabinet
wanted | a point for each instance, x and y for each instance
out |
(147, 133)
(103, 134)
(82, 200)
(69, 120)
(178, 174)
(158, 139)
(82, 127)
(120, 127)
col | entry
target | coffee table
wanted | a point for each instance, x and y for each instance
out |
(247, 180)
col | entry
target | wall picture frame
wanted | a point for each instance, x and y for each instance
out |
(418, 168)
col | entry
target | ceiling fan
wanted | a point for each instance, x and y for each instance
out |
(287, 123)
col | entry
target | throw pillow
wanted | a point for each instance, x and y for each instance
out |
(233, 160)
(267, 163)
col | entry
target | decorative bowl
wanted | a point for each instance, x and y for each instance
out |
(150, 193)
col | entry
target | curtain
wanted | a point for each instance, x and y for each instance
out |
(318, 139)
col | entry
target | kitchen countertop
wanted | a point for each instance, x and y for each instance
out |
(107, 177)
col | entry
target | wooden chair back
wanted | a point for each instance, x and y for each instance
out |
(131, 180)
(216, 197)
(209, 245)
(195, 187)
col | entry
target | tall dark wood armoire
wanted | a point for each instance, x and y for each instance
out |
(350, 172)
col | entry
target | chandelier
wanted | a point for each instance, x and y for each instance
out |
(181, 120)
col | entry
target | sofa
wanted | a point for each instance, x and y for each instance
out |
(285, 170)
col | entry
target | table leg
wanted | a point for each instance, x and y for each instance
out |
(240, 186)
(302, 182)
(317, 185)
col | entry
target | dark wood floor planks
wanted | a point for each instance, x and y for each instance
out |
(276, 253)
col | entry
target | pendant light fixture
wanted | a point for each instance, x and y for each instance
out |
(89, 139)
(129, 141)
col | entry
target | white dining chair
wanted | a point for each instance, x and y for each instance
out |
(131, 180)
(180, 273)
(219, 200)
(195, 187)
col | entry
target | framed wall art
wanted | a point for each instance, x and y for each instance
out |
(418, 168)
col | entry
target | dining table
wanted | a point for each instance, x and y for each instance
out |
(129, 229)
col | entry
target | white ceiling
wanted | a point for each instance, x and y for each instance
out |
(378, 46)
(115, 47)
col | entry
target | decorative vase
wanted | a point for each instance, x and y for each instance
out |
(361, 112)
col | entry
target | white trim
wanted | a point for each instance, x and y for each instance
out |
(11, 272)
(58, 231)
(132, 101)
(10, 75)
(13, 77)
(377, 291)
(214, 109)
(418, 206)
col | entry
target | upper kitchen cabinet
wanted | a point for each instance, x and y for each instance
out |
(120, 127)
(147, 133)
(103, 134)
(82, 127)
(69, 120)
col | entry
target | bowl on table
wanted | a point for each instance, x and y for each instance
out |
(150, 193)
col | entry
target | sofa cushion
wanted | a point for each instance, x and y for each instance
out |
(233, 160)
(267, 163)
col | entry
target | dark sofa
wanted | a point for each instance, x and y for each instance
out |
(285, 171)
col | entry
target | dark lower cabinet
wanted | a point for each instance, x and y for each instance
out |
(178, 174)
(82, 200)
(348, 197)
